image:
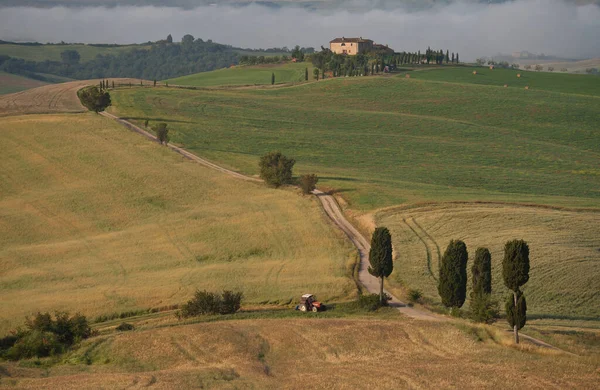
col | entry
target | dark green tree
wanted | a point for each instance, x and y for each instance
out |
(169, 39)
(305, 74)
(457, 61)
(482, 272)
(483, 308)
(298, 54)
(276, 169)
(515, 272)
(452, 57)
(70, 57)
(94, 99)
(272, 78)
(380, 257)
(452, 285)
(187, 40)
(316, 73)
(162, 133)
(308, 183)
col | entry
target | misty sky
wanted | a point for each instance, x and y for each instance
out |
(542, 26)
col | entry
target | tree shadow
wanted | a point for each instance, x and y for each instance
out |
(130, 118)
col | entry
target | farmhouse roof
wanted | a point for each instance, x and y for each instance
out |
(344, 39)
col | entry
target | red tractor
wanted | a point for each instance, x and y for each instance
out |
(308, 303)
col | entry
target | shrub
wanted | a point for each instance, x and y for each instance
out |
(162, 133)
(125, 327)
(94, 99)
(414, 295)
(205, 302)
(276, 169)
(308, 183)
(35, 343)
(370, 302)
(483, 308)
(45, 336)
(231, 302)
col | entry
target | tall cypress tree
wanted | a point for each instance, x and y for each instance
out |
(272, 78)
(482, 272)
(305, 74)
(515, 271)
(380, 256)
(447, 56)
(452, 285)
(457, 61)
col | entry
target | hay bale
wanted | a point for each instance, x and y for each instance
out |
(519, 75)
(474, 72)
(527, 87)
(407, 76)
(505, 85)
(491, 67)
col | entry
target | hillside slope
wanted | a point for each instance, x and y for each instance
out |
(98, 219)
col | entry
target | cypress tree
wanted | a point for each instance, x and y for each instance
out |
(457, 61)
(452, 57)
(515, 272)
(447, 56)
(452, 285)
(380, 256)
(306, 74)
(482, 272)
(155, 82)
(272, 78)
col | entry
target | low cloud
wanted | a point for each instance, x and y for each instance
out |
(553, 27)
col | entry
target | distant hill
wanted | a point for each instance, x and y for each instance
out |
(153, 60)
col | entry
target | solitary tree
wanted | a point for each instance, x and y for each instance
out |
(305, 74)
(272, 78)
(452, 285)
(515, 271)
(316, 73)
(380, 257)
(276, 169)
(162, 133)
(457, 60)
(308, 183)
(94, 99)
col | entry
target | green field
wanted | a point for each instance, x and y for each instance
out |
(52, 52)
(382, 141)
(11, 83)
(247, 75)
(546, 81)
(97, 219)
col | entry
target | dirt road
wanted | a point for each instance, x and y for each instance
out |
(333, 211)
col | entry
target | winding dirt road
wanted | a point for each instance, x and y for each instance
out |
(333, 211)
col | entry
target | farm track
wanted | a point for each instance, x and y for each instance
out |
(334, 212)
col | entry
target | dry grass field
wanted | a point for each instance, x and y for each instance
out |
(97, 219)
(564, 251)
(53, 98)
(309, 354)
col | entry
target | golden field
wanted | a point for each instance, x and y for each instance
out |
(97, 219)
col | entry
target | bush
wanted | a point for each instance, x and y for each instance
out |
(276, 169)
(414, 295)
(45, 336)
(483, 308)
(371, 302)
(205, 302)
(36, 343)
(94, 99)
(162, 133)
(308, 183)
(125, 327)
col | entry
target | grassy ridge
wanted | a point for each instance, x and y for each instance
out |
(247, 75)
(52, 52)
(546, 81)
(384, 141)
(88, 224)
(564, 252)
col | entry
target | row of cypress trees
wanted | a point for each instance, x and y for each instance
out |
(452, 285)
(452, 282)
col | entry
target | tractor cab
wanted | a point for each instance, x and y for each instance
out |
(308, 302)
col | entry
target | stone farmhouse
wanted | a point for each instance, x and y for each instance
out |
(350, 46)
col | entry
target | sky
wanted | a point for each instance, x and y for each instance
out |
(552, 27)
